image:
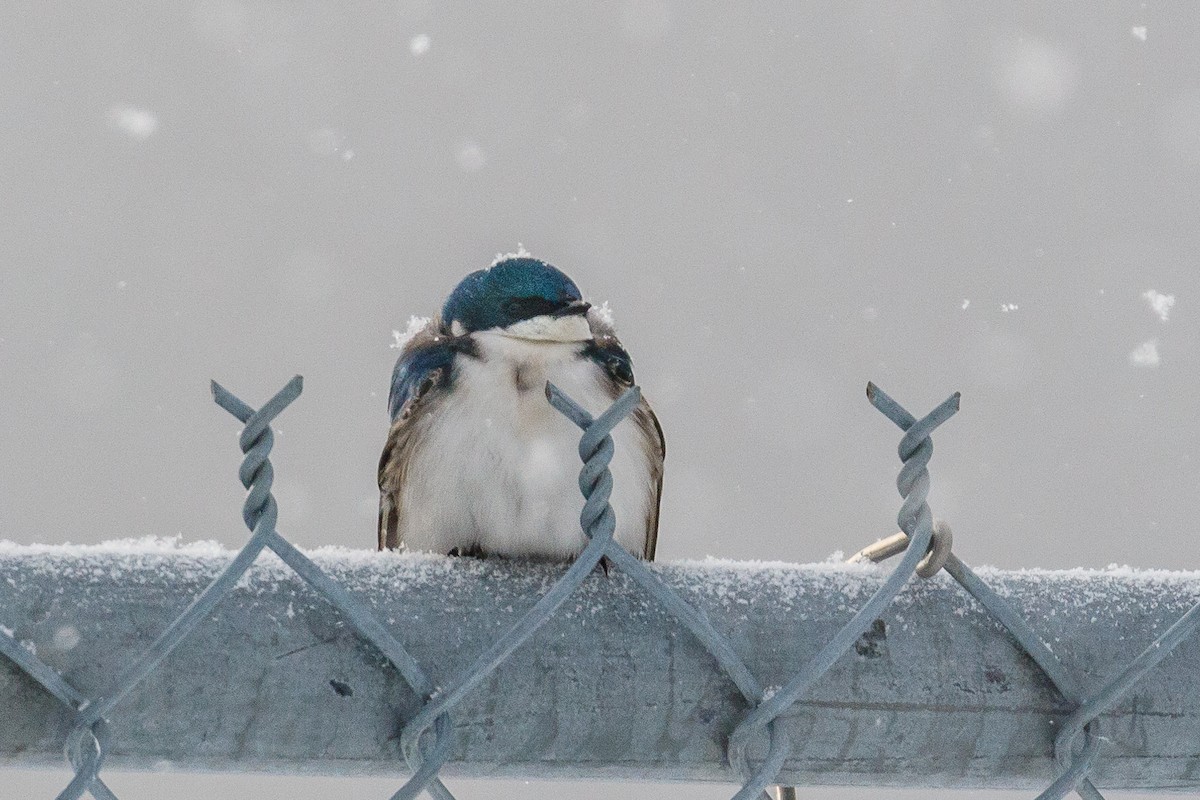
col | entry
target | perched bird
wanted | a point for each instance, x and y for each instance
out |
(477, 461)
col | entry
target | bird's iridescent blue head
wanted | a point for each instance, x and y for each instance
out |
(509, 292)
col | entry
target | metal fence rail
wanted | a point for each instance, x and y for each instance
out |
(765, 741)
(276, 680)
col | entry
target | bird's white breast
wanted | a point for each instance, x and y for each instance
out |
(498, 466)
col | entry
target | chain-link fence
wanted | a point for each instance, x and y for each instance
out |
(427, 737)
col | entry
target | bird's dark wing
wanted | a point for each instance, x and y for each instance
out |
(652, 432)
(423, 371)
(606, 350)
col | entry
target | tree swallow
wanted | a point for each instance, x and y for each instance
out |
(477, 461)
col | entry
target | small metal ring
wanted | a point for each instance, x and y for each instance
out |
(940, 545)
(939, 550)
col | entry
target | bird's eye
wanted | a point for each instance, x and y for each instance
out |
(529, 307)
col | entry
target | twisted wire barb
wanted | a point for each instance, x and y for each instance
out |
(86, 743)
(916, 514)
(1085, 719)
(87, 756)
(598, 523)
(260, 514)
(596, 484)
(915, 519)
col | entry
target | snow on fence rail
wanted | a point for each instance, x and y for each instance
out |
(346, 662)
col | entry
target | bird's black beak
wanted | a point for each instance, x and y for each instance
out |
(577, 308)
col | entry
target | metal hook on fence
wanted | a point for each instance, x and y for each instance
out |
(935, 556)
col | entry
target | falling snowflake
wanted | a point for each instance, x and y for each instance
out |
(419, 44)
(1161, 303)
(136, 123)
(1145, 354)
(471, 157)
(1036, 76)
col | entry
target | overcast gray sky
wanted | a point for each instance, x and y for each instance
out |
(779, 201)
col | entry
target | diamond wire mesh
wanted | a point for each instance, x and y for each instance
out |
(426, 739)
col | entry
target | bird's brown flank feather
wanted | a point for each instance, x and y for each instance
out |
(402, 435)
(604, 337)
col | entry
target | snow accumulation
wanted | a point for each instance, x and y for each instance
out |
(521, 253)
(148, 545)
(715, 575)
(604, 313)
(411, 588)
(415, 325)
(157, 560)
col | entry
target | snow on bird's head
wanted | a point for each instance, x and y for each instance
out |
(415, 326)
(521, 253)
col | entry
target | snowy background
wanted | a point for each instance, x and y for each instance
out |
(779, 203)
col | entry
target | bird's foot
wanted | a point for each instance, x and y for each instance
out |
(474, 551)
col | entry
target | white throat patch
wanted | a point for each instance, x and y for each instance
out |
(546, 328)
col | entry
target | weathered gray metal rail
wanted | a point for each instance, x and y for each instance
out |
(937, 694)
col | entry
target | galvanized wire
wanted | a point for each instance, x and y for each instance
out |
(915, 450)
(426, 741)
